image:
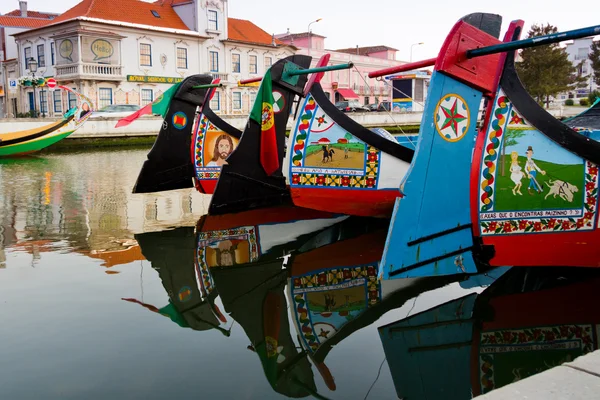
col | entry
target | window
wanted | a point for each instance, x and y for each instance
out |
(145, 55)
(366, 101)
(147, 96)
(252, 67)
(182, 58)
(214, 61)
(419, 90)
(44, 101)
(212, 20)
(237, 100)
(52, 51)
(235, 63)
(72, 100)
(41, 53)
(268, 63)
(215, 102)
(57, 101)
(104, 97)
(582, 53)
(252, 98)
(27, 56)
(155, 13)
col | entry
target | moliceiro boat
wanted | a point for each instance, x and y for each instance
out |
(478, 343)
(520, 191)
(33, 140)
(328, 163)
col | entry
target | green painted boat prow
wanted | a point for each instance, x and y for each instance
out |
(32, 146)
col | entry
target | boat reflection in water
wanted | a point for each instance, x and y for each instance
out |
(527, 321)
(297, 281)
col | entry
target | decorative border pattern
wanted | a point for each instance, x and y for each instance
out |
(367, 180)
(531, 339)
(512, 224)
(545, 225)
(331, 279)
(491, 152)
(203, 172)
(306, 117)
(204, 275)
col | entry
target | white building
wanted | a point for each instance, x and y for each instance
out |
(13, 22)
(130, 51)
(578, 52)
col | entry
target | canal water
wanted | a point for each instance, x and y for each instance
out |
(109, 294)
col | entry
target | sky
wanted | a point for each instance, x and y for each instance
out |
(347, 23)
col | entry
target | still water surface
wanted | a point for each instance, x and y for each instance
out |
(107, 294)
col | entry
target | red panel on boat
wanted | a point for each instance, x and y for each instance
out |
(348, 93)
(365, 203)
(477, 72)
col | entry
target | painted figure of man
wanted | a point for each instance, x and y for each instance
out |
(532, 169)
(222, 150)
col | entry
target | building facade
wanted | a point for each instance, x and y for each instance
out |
(11, 23)
(578, 52)
(130, 52)
(354, 83)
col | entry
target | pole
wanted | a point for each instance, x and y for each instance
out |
(320, 69)
(251, 80)
(211, 85)
(401, 68)
(535, 41)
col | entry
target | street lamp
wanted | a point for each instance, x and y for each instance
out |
(411, 48)
(310, 34)
(32, 63)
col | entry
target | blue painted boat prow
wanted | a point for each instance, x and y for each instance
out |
(429, 235)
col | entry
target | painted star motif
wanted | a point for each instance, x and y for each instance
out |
(453, 118)
(323, 333)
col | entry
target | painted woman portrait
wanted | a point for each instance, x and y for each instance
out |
(222, 150)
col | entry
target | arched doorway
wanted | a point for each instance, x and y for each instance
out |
(338, 97)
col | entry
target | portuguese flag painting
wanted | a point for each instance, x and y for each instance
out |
(262, 114)
(159, 106)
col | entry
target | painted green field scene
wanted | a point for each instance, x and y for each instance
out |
(531, 200)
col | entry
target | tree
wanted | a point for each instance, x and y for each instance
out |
(595, 59)
(546, 70)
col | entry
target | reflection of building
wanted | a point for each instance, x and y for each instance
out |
(131, 51)
(11, 23)
(351, 84)
(578, 52)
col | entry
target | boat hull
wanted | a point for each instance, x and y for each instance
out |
(34, 145)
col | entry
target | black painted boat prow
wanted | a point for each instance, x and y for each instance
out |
(555, 130)
(243, 183)
(169, 165)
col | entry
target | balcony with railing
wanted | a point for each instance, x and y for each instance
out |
(219, 75)
(90, 71)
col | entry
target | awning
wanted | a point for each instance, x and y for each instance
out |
(347, 93)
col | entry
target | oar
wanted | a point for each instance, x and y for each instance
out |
(498, 48)
(535, 41)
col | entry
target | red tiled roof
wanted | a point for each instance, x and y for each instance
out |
(19, 22)
(173, 2)
(130, 11)
(242, 30)
(32, 14)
